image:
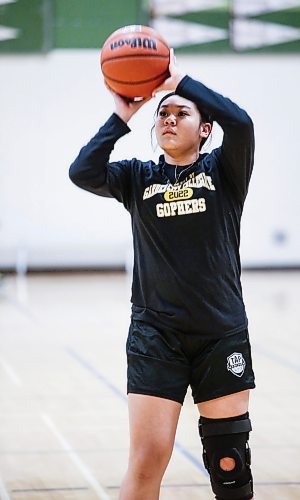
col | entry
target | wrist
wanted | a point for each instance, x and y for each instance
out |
(123, 116)
(179, 78)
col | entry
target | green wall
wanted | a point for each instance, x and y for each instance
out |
(49, 24)
(43, 25)
(87, 23)
(27, 17)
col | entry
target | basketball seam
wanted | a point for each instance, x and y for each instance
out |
(163, 43)
(136, 83)
(131, 56)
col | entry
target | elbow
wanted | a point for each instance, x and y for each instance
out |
(74, 175)
(86, 178)
(244, 129)
(246, 123)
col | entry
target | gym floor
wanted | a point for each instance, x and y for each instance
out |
(63, 413)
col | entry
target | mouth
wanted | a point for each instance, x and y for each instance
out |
(169, 131)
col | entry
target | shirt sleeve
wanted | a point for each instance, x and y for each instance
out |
(92, 171)
(236, 154)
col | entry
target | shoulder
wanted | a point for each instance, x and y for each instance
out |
(210, 161)
(143, 168)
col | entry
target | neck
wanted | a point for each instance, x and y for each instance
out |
(181, 159)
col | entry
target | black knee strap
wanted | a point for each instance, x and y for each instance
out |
(221, 428)
(228, 438)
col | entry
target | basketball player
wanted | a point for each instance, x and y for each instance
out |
(188, 324)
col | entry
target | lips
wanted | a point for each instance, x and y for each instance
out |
(169, 131)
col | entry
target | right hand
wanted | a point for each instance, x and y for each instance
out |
(175, 76)
(126, 108)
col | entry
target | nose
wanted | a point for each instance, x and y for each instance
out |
(170, 120)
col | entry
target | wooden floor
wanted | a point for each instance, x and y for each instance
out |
(63, 414)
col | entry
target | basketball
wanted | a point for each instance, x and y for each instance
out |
(135, 60)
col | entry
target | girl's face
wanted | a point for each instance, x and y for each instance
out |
(178, 126)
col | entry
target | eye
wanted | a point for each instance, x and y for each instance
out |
(162, 113)
(182, 113)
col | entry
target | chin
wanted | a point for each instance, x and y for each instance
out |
(169, 149)
(168, 143)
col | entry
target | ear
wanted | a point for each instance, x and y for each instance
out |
(205, 129)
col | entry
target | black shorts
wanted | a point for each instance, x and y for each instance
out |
(163, 363)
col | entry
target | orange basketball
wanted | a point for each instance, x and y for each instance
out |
(135, 60)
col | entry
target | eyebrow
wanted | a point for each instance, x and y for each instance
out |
(177, 106)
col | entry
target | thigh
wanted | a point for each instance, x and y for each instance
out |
(153, 422)
(226, 406)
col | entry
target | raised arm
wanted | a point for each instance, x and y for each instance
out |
(89, 169)
(236, 154)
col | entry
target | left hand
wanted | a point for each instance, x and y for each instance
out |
(125, 108)
(175, 76)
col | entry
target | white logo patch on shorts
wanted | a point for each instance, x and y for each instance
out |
(236, 364)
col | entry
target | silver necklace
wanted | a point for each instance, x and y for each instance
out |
(177, 177)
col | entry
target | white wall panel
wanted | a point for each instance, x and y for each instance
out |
(51, 105)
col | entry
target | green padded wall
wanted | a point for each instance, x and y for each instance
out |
(22, 26)
(42, 25)
(87, 23)
(219, 26)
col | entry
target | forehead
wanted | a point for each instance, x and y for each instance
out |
(177, 101)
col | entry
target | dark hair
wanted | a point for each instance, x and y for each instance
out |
(204, 116)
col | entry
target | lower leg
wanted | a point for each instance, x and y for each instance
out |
(153, 423)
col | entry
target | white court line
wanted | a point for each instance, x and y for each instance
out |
(22, 289)
(3, 493)
(101, 493)
(15, 379)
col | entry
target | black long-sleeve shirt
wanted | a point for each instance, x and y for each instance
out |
(186, 237)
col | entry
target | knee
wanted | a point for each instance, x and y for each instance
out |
(227, 463)
(149, 462)
(226, 456)
(142, 473)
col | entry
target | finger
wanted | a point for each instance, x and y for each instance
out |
(155, 91)
(113, 92)
(119, 97)
(108, 87)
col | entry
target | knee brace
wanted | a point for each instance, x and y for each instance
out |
(228, 437)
